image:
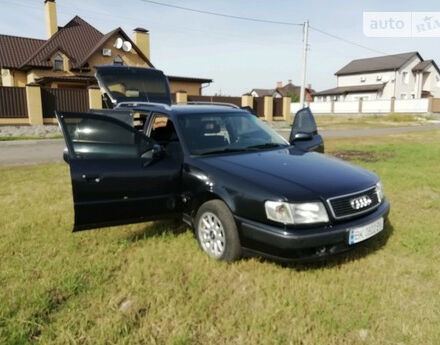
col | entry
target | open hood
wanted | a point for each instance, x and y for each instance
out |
(133, 84)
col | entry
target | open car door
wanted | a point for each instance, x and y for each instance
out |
(118, 174)
(304, 133)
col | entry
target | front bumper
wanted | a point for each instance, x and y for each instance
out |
(303, 243)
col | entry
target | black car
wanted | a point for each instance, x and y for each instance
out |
(232, 178)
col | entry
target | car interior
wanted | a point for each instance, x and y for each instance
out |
(164, 133)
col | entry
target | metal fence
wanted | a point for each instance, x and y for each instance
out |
(72, 100)
(277, 107)
(13, 102)
(214, 99)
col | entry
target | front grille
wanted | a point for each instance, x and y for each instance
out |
(341, 206)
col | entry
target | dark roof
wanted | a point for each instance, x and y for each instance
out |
(71, 40)
(376, 64)
(105, 38)
(264, 92)
(289, 89)
(188, 79)
(15, 50)
(420, 67)
(351, 89)
(77, 39)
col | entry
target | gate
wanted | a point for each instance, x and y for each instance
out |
(70, 100)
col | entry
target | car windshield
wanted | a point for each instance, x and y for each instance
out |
(227, 132)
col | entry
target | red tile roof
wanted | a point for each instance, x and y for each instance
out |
(15, 50)
(75, 39)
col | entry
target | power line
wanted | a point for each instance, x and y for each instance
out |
(347, 41)
(250, 19)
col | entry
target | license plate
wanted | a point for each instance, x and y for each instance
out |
(363, 232)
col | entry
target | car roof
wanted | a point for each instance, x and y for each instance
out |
(181, 109)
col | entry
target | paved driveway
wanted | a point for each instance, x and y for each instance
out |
(46, 151)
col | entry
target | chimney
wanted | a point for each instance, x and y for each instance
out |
(141, 38)
(279, 84)
(309, 86)
(50, 13)
(289, 81)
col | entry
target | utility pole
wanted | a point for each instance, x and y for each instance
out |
(304, 63)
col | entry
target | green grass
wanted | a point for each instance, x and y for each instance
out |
(150, 284)
(31, 137)
(373, 121)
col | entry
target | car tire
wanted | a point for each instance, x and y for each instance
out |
(216, 231)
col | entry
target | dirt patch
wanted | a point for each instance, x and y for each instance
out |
(363, 156)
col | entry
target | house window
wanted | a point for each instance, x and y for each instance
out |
(118, 60)
(58, 63)
(437, 79)
(403, 96)
(405, 77)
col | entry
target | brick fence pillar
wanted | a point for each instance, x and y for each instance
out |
(181, 97)
(34, 104)
(247, 100)
(268, 108)
(286, 108)
(95, 98)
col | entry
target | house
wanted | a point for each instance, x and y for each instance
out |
(288, 90)
(67, 58)
(403, 76)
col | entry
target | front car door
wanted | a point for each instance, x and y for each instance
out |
(304, 133)
(116, 177)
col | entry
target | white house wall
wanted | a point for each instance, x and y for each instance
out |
(407, 90)
(432, 83)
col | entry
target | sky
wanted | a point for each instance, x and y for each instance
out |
(237, 55)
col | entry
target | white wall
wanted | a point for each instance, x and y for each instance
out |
(321, 107)
(411, 105)
(376, 107)
(368, 107)
(346, 107)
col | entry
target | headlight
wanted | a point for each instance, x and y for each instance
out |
(304, 213)
(379, 191)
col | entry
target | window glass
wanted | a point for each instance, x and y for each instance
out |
(58, 63)
(118, 60)
(210, 133)
(103, 138)
(135, 85)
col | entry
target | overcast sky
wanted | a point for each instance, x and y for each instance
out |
(238, 55)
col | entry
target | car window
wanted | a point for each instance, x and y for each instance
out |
(209, 133)
(92, 137)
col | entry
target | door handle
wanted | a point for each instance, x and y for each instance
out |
(91, 178)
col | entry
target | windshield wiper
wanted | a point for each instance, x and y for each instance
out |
(264, 146)
(227, 150)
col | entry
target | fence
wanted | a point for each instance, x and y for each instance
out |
(36, 106)
(422, 105)
(215, 99)
(13, 102)
(72, 100)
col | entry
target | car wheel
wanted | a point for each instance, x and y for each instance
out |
(216, 231)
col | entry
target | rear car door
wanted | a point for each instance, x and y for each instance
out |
(116, 178)
(304, 133)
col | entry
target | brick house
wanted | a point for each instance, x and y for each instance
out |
(68, 57)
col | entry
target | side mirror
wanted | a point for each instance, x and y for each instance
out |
(302, 136)
(158, 152)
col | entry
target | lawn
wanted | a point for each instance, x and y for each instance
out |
(357, 121)
(150, 284)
